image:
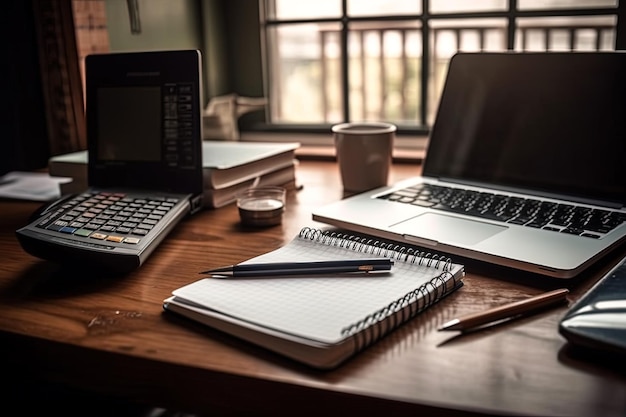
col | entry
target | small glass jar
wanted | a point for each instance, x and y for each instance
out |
(261, 206)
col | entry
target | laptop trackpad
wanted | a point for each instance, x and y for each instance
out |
(441, 228)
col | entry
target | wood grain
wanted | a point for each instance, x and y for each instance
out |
(83, 328)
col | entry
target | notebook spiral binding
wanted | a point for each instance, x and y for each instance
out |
(376, 247)
(382, 321)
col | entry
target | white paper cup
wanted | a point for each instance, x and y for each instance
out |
(364, 153)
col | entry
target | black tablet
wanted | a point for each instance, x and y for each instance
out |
(598, 319)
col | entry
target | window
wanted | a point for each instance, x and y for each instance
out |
(331, 61)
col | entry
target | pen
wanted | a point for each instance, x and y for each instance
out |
(303, 268)
(511, 310)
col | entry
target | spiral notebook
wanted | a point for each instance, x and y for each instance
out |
(321, 320)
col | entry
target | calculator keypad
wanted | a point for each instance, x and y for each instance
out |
(110, 217)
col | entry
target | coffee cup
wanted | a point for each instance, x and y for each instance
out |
(364, 153)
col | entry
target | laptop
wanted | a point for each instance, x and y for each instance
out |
(143, 112)
(525, 165)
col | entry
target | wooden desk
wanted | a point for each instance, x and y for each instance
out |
(79, 328)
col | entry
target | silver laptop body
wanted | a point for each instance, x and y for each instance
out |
(542, 126)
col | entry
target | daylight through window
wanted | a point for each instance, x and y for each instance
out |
(331, 61)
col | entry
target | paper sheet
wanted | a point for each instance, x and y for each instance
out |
(34, 186)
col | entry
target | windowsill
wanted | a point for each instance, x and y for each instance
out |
(409, 148)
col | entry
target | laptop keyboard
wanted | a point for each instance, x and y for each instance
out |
(110, 217)
(562, 218)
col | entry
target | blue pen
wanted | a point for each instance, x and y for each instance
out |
(303, 268)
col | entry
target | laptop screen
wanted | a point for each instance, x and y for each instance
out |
(553, 123)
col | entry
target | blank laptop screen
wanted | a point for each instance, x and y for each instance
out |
(553, 122)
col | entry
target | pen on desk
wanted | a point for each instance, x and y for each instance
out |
(474, 320)
(303, 268)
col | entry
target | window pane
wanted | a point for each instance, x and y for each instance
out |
(450, 36)
(304, 64)
(384, 71)
(562, 4)
(295, 9)
(383, 7)
(384, 56)
(453, 6)
(566, 33)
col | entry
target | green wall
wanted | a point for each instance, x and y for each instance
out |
(165, 24)
(225, 31)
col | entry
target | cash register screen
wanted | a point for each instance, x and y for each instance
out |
(129, 123)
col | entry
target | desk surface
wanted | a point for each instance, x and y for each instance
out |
(76, 327)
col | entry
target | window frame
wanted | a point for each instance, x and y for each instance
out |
(511, 14)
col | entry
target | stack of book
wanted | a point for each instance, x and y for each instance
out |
(229, 168)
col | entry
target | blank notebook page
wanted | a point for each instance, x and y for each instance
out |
(314, 307)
